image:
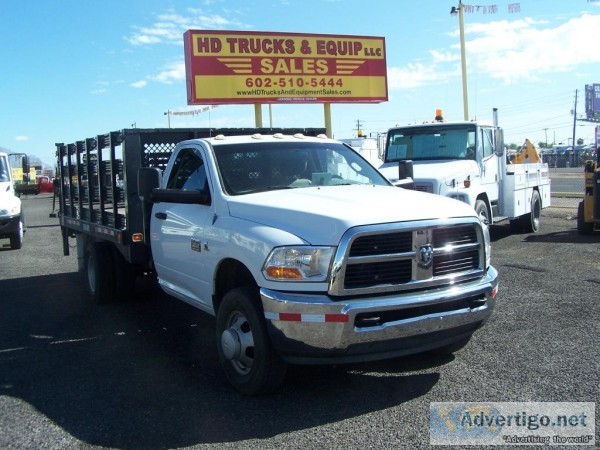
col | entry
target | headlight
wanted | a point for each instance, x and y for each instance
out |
(487, 245)
(12, 210)
(298, 263)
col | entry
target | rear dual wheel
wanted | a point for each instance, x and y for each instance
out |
(530, 222)
(109, 276)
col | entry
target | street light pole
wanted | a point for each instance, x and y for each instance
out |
(463, 59)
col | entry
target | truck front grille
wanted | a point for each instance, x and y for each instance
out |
(408, 256)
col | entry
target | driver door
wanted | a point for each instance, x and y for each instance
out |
(179, 233)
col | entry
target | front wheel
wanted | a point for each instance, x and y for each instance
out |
(583, 227)
(247, 356)
(16, 239)
(481, 210)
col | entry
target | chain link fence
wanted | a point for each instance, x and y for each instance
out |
(567, 185)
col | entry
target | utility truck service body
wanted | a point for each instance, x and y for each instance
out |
(302, 250)
(467, 161)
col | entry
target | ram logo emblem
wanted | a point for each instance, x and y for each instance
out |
(425, 256)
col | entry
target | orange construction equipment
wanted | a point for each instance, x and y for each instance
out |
(528, 154)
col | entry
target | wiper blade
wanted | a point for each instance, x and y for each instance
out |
(270, 188)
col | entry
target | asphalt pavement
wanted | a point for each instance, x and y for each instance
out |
(144, 374)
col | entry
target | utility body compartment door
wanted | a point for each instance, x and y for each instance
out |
(179, 230)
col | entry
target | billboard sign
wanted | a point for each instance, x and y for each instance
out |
(592, 101)
(228, 67)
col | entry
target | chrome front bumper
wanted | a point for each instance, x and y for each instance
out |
(307, 328)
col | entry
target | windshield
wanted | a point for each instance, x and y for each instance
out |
(262, 166)
(429, 143)
(4, 169)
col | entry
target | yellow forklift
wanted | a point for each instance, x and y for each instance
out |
(588, 213)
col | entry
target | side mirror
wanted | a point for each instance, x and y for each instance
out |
(149, 178)
(405, 169)
(405, 174)
(499, 144)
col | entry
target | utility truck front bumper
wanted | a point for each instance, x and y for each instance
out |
(307, 328)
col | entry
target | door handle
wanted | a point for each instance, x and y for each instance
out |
(161, 215)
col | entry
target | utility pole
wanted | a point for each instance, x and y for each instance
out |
(359, 132)
(574, 126)
(463, 59)
(546, 133)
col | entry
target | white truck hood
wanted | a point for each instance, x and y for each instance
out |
(444, 170)
(320, 215)
(438, 170)
(10, 204)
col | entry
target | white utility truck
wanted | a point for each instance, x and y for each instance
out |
(11, 215)
(467, 161)
(302, 250)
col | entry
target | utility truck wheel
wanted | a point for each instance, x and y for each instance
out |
(124, 273)
(481, 210)
(247, 356)
(16, 239)
(583, 227)
(531, 221)
(99, 273)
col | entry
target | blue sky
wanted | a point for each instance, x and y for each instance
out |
(72, 69)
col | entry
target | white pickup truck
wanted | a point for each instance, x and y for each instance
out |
(300, 248)
(11, 216)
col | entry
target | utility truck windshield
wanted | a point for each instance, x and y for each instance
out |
(4, 169)
(432, 142)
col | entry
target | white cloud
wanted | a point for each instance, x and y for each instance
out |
(97, 91)
(21, 138)
(414, 75)
(172, 73)
(524, 49)
(169, 27)
(509, 51)
(139, 84)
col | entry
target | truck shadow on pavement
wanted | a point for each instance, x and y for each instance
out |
(145, 374)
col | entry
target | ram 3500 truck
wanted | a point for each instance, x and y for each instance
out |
(467, 161)
(302, 250)
(12, 223)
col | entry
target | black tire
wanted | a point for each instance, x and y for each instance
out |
(450, 348)
(125, 276)
(583, 227)
(531, 221)
(99, 273)
(247, 356)
(481, 210)
(16, 239)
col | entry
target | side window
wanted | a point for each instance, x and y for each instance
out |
(188, 172)
(487, 141)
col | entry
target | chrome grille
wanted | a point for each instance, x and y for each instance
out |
(424, 187)
(393, 257)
